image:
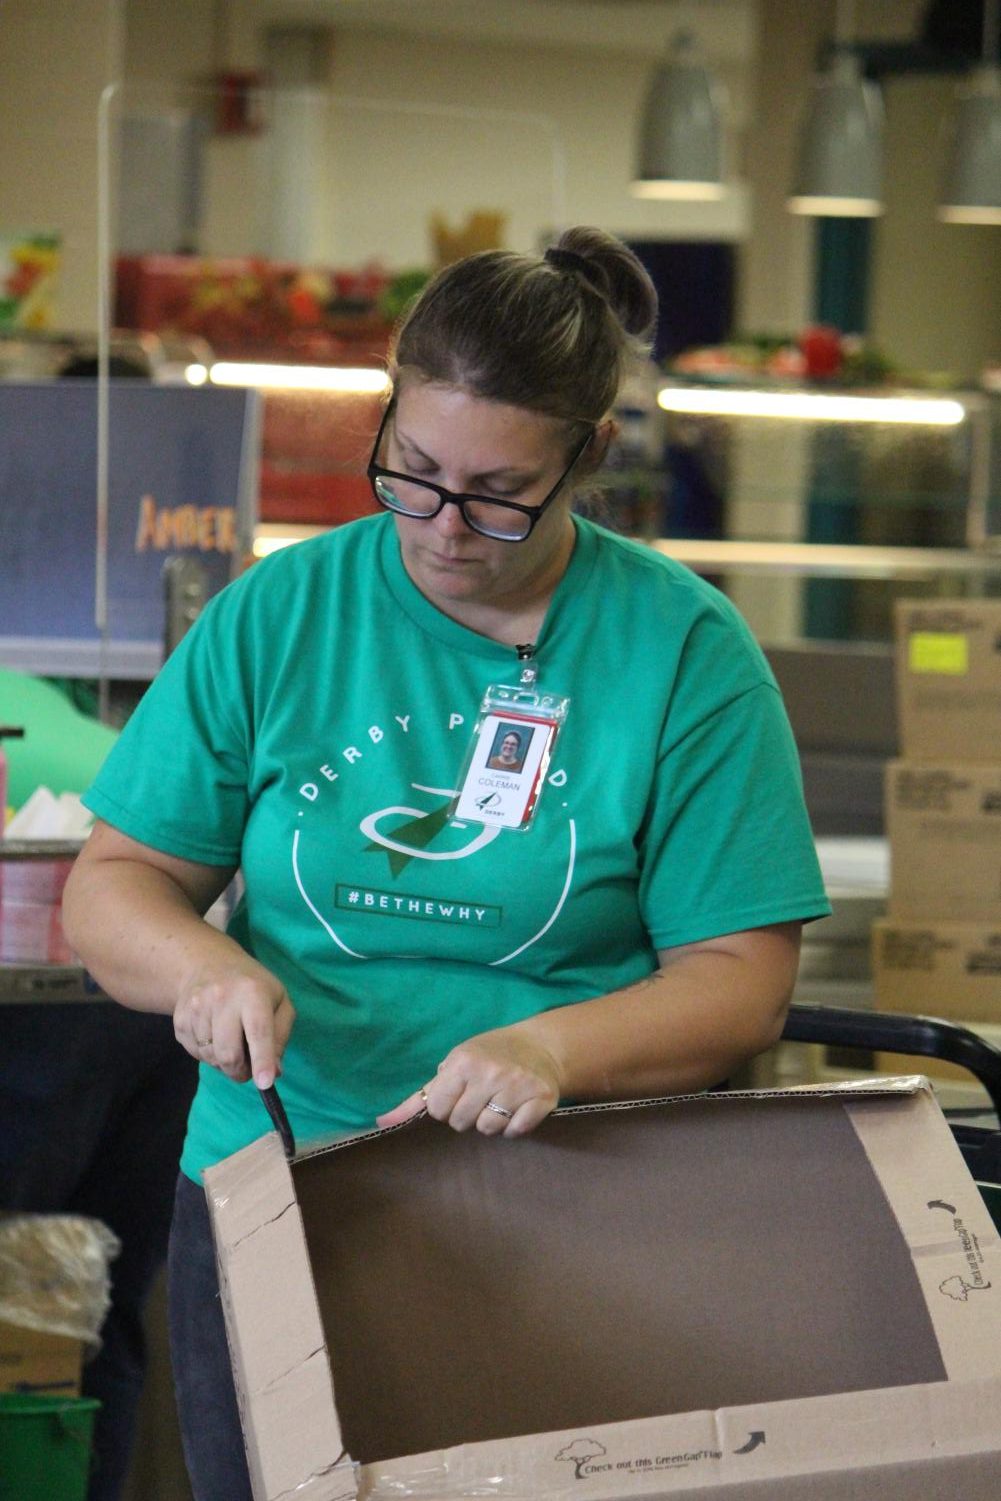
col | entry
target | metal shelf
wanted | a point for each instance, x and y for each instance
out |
(830, 560)
(22, 984)
(808, 559)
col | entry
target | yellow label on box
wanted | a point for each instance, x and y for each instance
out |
(939, 651)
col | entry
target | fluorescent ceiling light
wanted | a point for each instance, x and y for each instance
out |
(264, 546)
(277, 377)
(271, 536)
(809, 406)
(969, 213)
(835, 208)
(691, 192)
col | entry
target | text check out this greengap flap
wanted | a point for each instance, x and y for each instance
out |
(791, 1294)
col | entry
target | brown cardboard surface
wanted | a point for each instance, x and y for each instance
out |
(654, 1284)
(943, 822)
(931, 968)
(941, 1218)
(948, 679)
(589, 1286)
(859, 1447)
(34, 1361)
(276, 1345)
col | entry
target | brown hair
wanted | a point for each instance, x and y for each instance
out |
(553, 335)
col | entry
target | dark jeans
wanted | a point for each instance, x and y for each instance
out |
(93, 1105)
(203, 1378)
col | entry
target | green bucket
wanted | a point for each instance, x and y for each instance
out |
(45, 1446)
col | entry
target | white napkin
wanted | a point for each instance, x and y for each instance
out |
(45, 816)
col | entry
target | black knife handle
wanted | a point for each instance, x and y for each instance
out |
(279, 1120)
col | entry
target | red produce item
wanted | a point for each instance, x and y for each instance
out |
(821, 349)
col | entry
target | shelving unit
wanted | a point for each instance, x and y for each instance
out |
(22, 984)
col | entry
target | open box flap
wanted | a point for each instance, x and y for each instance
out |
(277, 1344)
(776, 1450)
(879, 1086)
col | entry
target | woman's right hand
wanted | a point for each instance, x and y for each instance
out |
(238, 1020)
(134, 916)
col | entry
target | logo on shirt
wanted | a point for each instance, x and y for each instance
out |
(407, 904)
(403, 832)
(409, 840)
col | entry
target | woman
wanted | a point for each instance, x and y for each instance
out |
(509, 756)
(630, 929)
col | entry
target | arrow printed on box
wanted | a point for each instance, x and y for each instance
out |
(941, 1204)
(756, 1439)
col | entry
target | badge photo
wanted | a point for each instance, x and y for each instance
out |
(511, 754)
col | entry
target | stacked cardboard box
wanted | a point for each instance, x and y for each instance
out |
(938, 951)
(55, 1287)
(34, 1361)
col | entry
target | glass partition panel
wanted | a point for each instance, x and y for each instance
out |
(816, 508)
(257, 245)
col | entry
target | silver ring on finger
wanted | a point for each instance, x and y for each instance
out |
(499, 1109)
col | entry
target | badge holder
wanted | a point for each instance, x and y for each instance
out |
(511, 750)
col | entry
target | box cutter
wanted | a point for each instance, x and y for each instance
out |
(279, 1120)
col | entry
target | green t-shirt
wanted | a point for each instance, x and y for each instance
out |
(312, 727)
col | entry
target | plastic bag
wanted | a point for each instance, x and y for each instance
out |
(54, 1273)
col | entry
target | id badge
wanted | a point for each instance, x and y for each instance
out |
(512, 747)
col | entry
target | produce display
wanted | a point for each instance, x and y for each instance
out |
(29, 264)
(246, 306)
(819, 353)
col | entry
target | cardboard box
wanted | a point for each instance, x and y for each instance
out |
(943, 969)
(948, 679)
(792, 1295)
(33, 1361)
(935, 1068)
(943, 822)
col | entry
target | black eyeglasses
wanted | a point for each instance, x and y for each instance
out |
(504, 520)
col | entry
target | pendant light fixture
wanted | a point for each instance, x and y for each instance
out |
(680, 146)
(839, 169)
(972, 185)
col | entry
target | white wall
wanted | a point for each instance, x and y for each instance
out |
(55, 59)
(777, 265)
(936, 288)
(167, 41)
(389, 168)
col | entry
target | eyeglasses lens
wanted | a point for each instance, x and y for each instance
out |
(406, 496)
(411, 498)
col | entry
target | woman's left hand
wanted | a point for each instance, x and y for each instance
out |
(502, 1083)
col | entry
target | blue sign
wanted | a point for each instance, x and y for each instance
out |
(182, 481)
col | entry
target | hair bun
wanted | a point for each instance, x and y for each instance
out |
(568, 260)
(613, 270)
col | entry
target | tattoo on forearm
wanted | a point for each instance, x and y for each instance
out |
(645, 983)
